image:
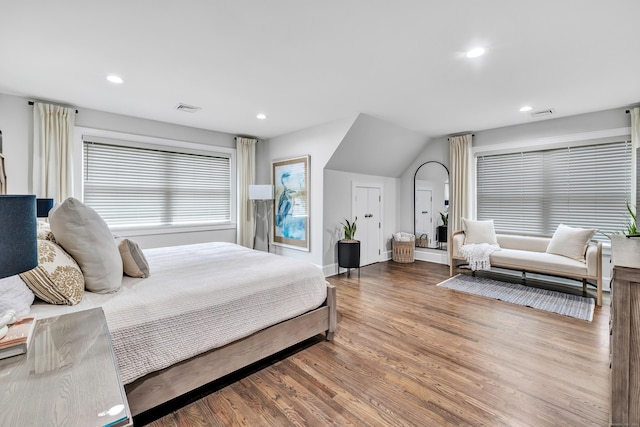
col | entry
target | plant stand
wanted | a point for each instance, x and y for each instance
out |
(442, 235)
(349, 255)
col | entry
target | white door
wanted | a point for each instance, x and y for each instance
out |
(424, 213)
(367, 206)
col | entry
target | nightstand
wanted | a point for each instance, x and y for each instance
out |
(68, 377)
(625, 331)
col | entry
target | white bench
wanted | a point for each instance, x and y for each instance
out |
(528, 254)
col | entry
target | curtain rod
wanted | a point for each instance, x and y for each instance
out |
(31, 103)
(473, 134)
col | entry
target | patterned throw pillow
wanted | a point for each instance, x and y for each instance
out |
(44, 232)
(57, 279)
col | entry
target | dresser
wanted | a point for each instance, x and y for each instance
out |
(68, 377)
(625, 332)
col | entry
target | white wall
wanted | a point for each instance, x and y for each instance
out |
(375, 147)
(319, 142)
(337, 207)
(538, 130)
(17, 133)
(16, 124)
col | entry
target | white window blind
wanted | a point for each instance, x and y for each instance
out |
(147, 186)
(532, 192)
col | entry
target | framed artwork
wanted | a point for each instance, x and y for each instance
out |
(291, 210)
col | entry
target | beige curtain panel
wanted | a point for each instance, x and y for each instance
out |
(53, 151)
(3, 176)
(460, 181)
(246, 152)
(635, 144)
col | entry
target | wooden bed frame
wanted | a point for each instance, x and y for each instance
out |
(159, 387)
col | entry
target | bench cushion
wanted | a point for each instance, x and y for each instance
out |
(541, 261)
(523, 243)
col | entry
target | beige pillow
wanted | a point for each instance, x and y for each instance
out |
(479, 232)
(57, 279)
(81, 232)
(133, 260)
(570, 242)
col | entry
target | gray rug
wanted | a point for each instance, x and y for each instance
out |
(541, 299)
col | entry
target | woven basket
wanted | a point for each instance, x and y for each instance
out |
(422, 241)
(403, 252)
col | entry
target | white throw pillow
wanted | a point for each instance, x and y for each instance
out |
(479, 232)
(133, 260)
(86, 237)
(570, 242)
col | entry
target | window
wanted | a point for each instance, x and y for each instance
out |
(532, 192)
(136, 184)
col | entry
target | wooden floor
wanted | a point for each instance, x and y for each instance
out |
(409, 353)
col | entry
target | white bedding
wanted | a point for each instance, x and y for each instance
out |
(197, 298)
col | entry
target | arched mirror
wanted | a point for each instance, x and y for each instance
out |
(431, 204)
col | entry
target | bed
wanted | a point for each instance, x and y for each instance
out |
(206, 310)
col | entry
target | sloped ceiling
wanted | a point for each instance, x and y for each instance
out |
(376, 147)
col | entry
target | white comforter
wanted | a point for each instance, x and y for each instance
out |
(197, 298)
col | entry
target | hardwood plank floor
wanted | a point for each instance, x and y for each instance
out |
(409, 353)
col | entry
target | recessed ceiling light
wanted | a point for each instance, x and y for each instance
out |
(261, 116)
(526, 108)
(115, 79)
(474, 53)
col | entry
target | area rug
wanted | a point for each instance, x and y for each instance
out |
(541, 299)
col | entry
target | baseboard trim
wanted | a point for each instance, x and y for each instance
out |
(432, 255)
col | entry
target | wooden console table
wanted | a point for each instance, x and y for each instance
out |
(625, 332)
(68, 377)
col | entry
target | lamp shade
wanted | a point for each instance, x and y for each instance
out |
(261, 192)
(18, 231)
(43, 206)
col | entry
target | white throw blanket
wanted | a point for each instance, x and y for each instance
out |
(477, 255)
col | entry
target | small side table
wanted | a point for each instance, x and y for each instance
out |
(68, 377)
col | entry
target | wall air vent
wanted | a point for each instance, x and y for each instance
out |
(187, 108)
(543, 113)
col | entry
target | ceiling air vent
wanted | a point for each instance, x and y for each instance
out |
(187, 108)
(543, 113)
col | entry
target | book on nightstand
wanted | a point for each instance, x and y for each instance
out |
(18, 337)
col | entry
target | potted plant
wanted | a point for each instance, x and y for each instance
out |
(349, 248)
(443, 229)
(631, 227)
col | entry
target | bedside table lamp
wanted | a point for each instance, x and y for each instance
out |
(18, 243)
(43, 206)
(264, 194)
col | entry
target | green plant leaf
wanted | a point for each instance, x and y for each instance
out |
(349, 228)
